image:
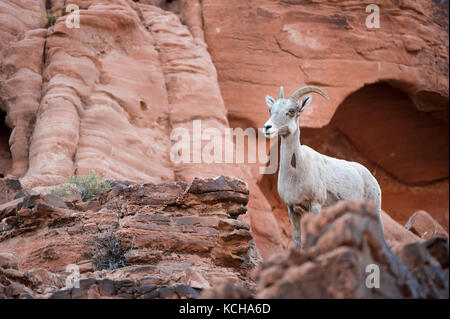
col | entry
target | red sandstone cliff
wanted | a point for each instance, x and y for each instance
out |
(105, 97)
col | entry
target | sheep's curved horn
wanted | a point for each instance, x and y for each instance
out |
(281, 94)
(307, 89)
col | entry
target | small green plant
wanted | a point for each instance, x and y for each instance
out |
(88, 187)
(108, 253)
(64, 190)
(51, 17)
(60, 191)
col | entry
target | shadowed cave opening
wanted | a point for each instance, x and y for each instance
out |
(5, 153)
(407, 150)
(168, 5)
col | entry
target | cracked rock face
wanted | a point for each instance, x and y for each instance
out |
(106, 96)
(340, 251)
(167, 240)
(338, 248)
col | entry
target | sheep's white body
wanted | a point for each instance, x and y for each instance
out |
(308, 180)
(324, 180)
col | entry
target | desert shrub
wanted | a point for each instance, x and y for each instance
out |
(65, 190)
(51, 17)
(60, 191)
(88, 187)
(108, 253)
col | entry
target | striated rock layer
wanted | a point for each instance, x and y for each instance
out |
(107, 96)
(22, 39)
(388, 87)
(328, 44)
(343, 253)
(104, 101)
(136, 241)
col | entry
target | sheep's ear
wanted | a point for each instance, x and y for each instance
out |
(269, 101)
(304, 103)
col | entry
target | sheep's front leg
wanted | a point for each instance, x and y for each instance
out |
(316, 208)
(295, 222)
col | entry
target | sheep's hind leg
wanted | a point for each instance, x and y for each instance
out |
(295, 222)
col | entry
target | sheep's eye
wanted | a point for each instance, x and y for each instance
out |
(291, 112)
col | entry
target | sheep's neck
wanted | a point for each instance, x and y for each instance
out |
(290, 147)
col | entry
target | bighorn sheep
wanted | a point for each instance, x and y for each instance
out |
(308, 180)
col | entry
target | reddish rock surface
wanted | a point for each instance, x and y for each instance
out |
(111, 93)
(424, 226)
(338, 247)
(327, 44)
(171, 240)
(106, 97)
(9, 189)
(388, 87)
(183, 240)
(21, 54)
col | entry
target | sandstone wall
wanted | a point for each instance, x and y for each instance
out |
(105, 97)
(388, 87)
(343, 246)
(134, 239)
(22, 39)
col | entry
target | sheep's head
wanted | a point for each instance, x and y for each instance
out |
(284, 112)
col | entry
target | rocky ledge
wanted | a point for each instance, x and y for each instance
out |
(343, 253)
(169, 240)
(186, 240)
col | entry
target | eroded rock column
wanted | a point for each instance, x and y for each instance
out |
(194, 94)
(21, 53)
